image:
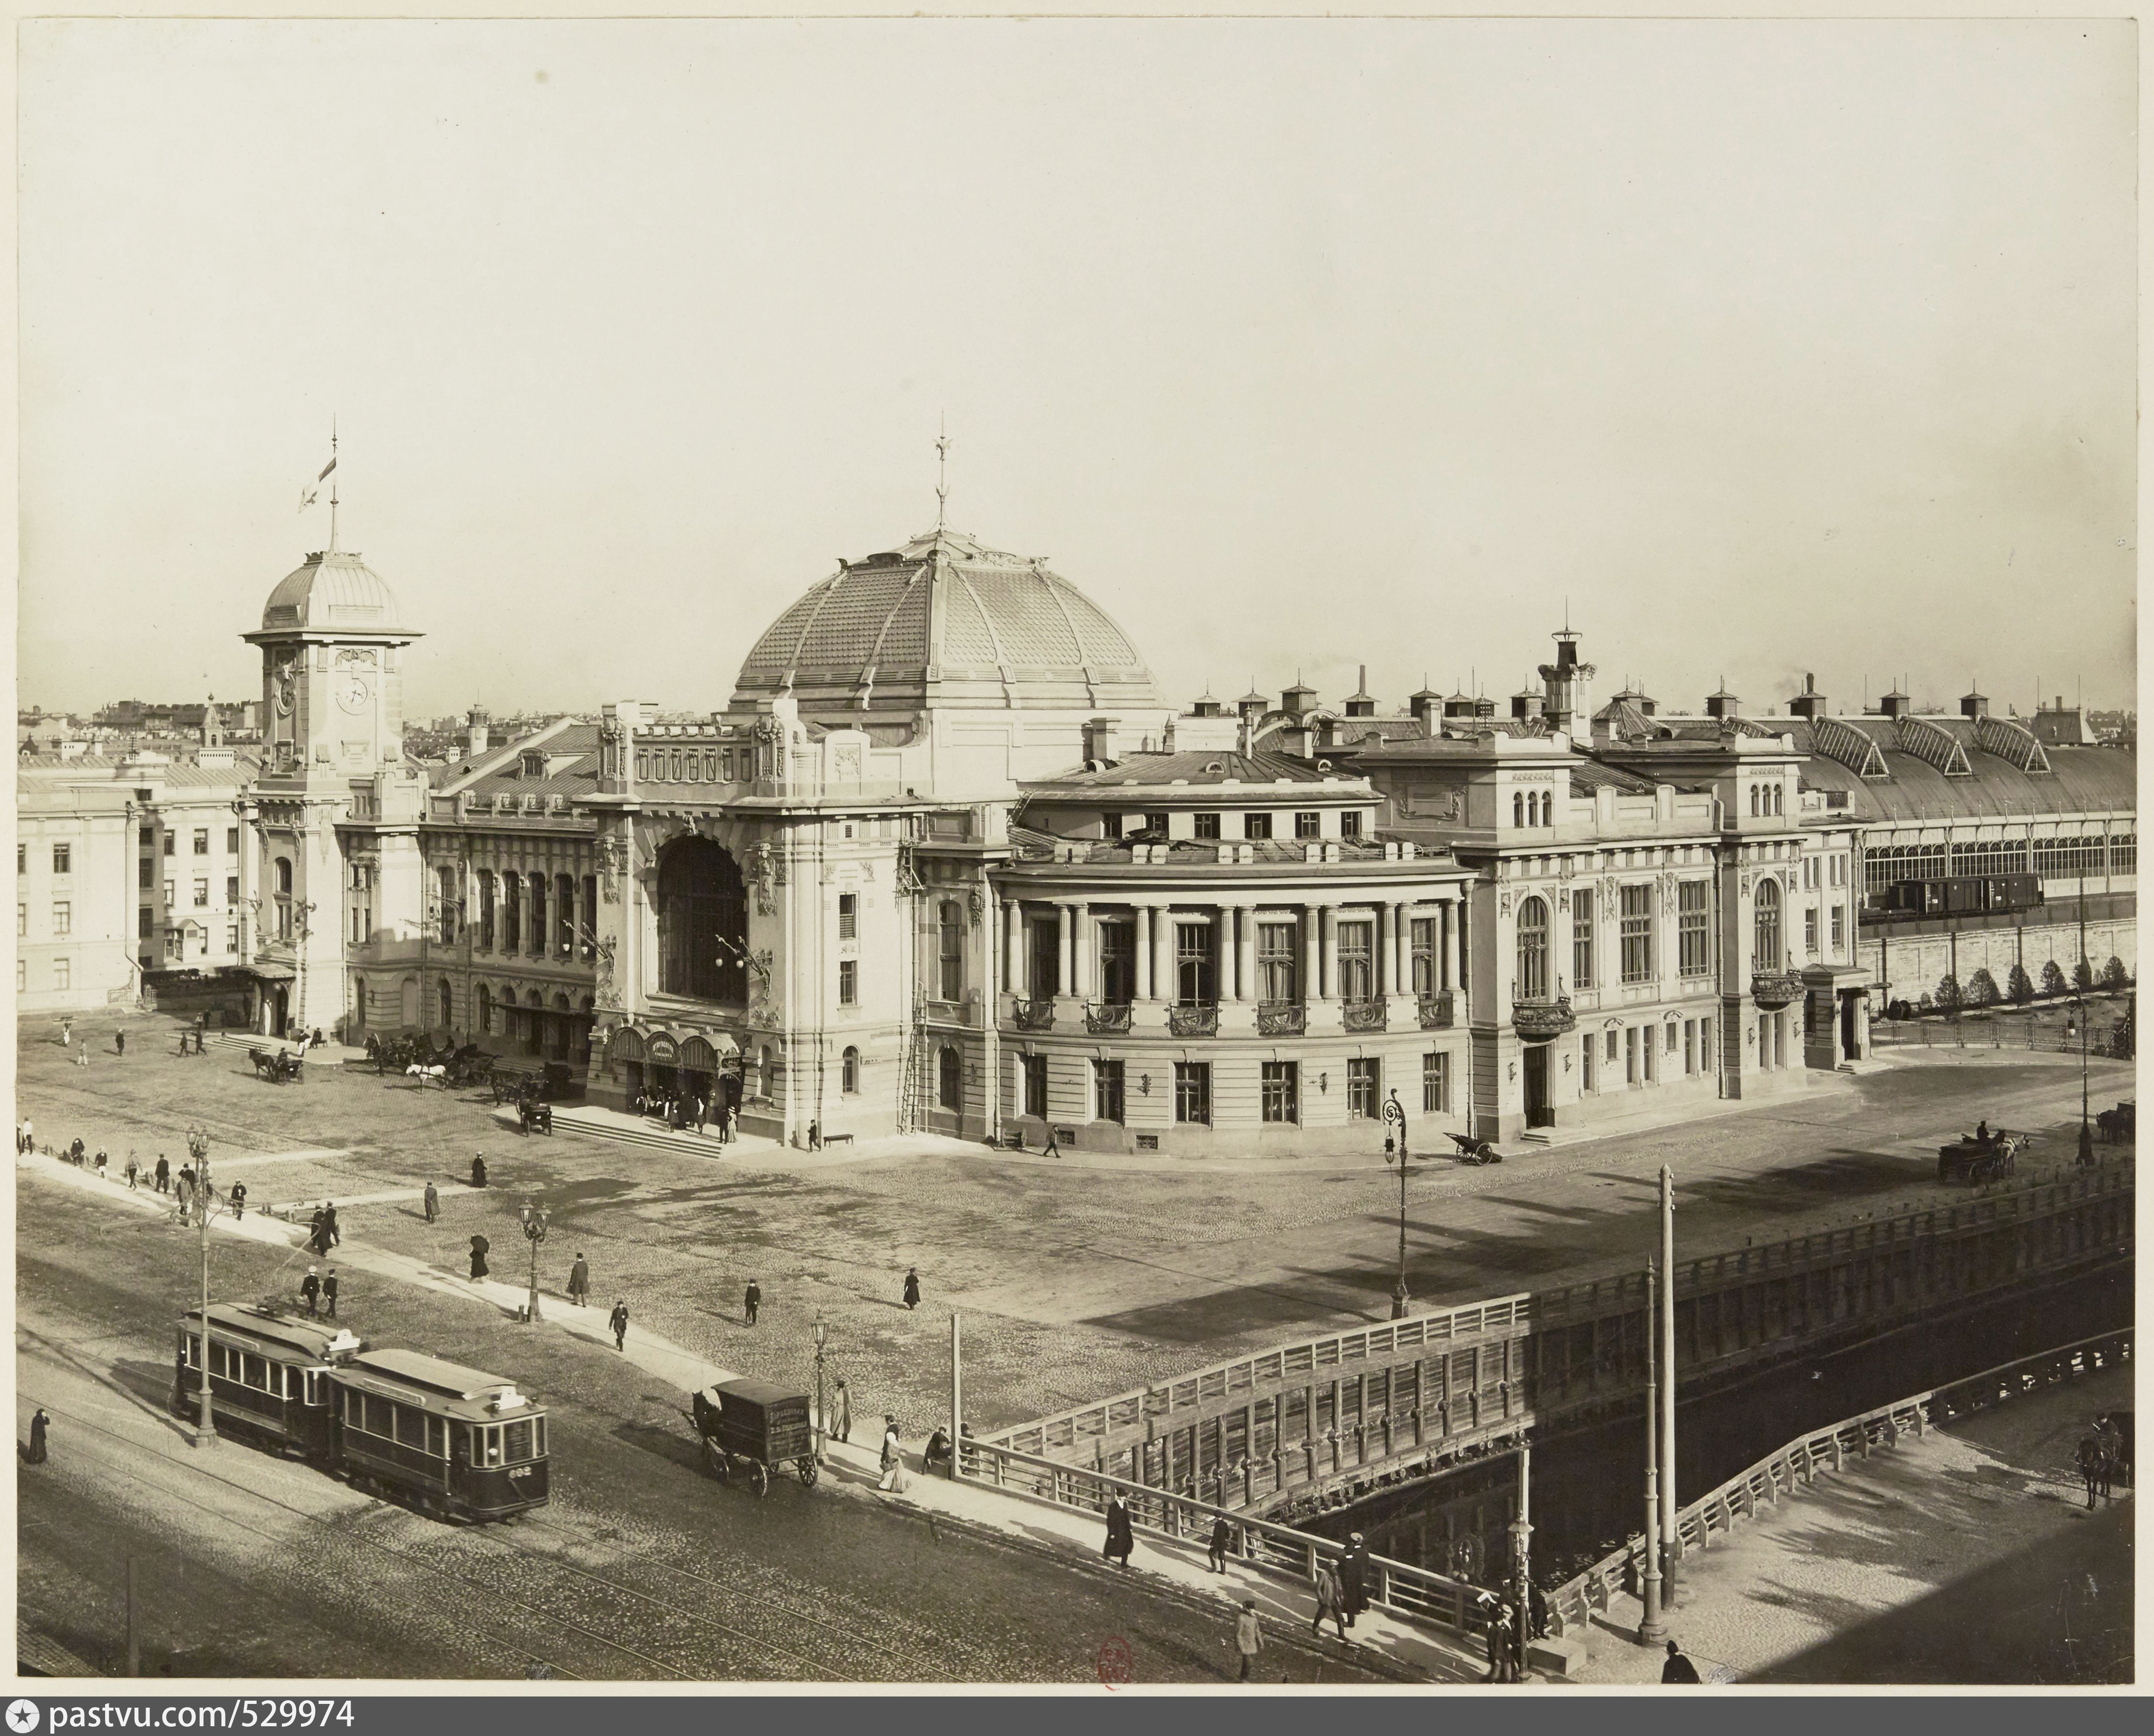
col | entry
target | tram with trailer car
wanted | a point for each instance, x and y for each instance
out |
(1959, 895)
(268, 1376)
(451, 1440)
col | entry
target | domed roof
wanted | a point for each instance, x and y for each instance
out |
(942, 615)
(332, 589)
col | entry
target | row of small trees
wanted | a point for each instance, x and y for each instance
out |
(1981, 991)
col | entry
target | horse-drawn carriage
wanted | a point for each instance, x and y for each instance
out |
(446, 1063)
(2117, 1125)
(279, 1067)
(1982, 1157)
(749, 1426)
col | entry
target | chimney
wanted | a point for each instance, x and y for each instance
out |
(1722, 704)
(1809, 702)
(1099, 739)
(1973, 705)
(1362, 703)
(479, 736)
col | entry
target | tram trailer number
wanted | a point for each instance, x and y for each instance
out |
(518, 1473)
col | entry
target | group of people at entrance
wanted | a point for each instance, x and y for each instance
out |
(685, 1110)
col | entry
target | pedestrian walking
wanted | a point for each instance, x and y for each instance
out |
(329, 1223)
(1330, 1601)
(815, 1136)
(310, 1287)
(319, 1238)
(480, 1248)
(752, 1301)
(843, 1415)
(1122, 1537)
(39, 1423)
(911, 1288)
(893, 1459)
(579, 1281)
(702, 1113)
(25, 1137)
(134, 1170)
(1677, 1668)
(478, 1170)
(67, 1033)
(1248, 1637)
(119, 1042)
(1222, 1538)
(1503, 1644)
(164, 1173)
(618, 1321)
(2091, 1456)
(1537, 1613)
(82, 1056)
(99, 1166)
(330, 1292)
(1353, 1577)
(238, 1201)
(433, 1203)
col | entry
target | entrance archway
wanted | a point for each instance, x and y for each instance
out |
(702, 922)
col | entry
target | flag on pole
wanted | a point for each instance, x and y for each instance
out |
(326, 469)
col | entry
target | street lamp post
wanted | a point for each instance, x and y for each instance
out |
(534, 1232)
(1652, 1629)
(822, 1418)
(198, 1149)
(1522, 1537)
(2086, 1134)
(1395, 1135)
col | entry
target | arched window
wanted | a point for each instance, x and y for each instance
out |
(1754, 801)
(564, 914)
(702, 922)
(511, 912)
(447, 1001)
(1779, 796)
(557, 1035)
(1533, 951)
(848, 1073)
(1518, 810)
(485, 1011)
(283, 898)
(538, 914)
(486, 909)
(949, 1080)
(1767, 949)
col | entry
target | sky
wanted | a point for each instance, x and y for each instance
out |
(1761, 348)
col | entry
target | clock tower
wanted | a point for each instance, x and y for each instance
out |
(336, 797)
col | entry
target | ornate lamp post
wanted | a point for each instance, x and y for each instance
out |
(1522, 1539)
(1395, 1137)
(822, 1420)
(198, 1149)
(534, 1232)
(2085, 1011)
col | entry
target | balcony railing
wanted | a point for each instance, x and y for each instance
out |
(1773, 989)
(1540, 1021)
(1033, 1015)
(1366, 1014)
(1103, 1018)
(950, 1012)
(1281, 1018)
(1437, 1010)
(1193, 1020)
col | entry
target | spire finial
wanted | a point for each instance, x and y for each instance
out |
(941, 469)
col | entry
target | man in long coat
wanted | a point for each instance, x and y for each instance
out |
(579, 1281)
(841, 1414)
(433, 1203)
(911, 1287)
(310, 1287)
(618, 1319)
(1122, 1537)
(39, 1424)
(1353, 1577)
(329, 1291)
(164, 1174)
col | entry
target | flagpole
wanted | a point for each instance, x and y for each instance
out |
(333, 486)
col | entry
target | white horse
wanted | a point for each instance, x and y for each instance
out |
(436, 1075)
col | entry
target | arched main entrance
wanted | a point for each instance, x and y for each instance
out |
(702, 922)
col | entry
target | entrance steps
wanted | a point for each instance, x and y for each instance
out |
(638, 1130)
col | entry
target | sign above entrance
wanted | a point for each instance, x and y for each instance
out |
(663, 1049)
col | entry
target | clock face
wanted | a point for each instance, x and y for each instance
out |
(353, 693)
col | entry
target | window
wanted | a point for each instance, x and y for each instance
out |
(1637, 933)
(1581, 939)
(1435, 1083)
(486, 909)
(485, 1010)
(145, 919)
(1035, 1085)
(1309, 825)
(1155, 823)
(849, 918)
(171, 893)
(232, 840)
(1364, 1088)
(231, 891)
(1280, 1091)
(950, 950)
(849, 982)
(1766, 940)
(1207, 825)
(1193, 1092)
(2124, 853)
(202, 894)
(1611, 1048)
(1811, 932)
(64, 857)
(1646, 1045)
(1277, 967)
(22, 859)
(564, 914)
(1256, 825)
(63, 916)
(1518, 809)
(283, 871)
(1630, 1054)
(232, 937)
(1694, 954)
(1108, 1102)
(1671, 1036)
(1118, 963)
(171, 841)
(1110, 825)
(146, 873)
(1838, 931)
(1690, 1046)
(63, 973)
(1588, 1050)
(512, 911)
(201, 840)
(1357, 973)
(1780, 795)
(1422, 934)
(2056, 858)
(1193, 970)
(1350, 823)
(950, 1080)
(1533, 951)
(22, 920)
(1704, 1045)
(538, 915)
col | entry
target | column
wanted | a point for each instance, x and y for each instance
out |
(1246, 956)
(1451, 914)
(1085, 947)
(1227, 951)
(1327, 955)
(1143, 944)
(1387, 941)
(1065, 944)
(1013, 948)
(1309, 954)
(1163, 953)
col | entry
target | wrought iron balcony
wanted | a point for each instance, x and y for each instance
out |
(1540, 1021)
(1033, 1015)
(1437, 1010)
(1103, 1018)
(1774, 988)
(1193, 1020)
(1366, 1014)
(1281, 1018)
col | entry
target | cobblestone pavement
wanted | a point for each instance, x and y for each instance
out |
(1967, 1555)
(1075, 1279)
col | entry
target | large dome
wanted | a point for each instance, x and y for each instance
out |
(945, 617)
(331, 590)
